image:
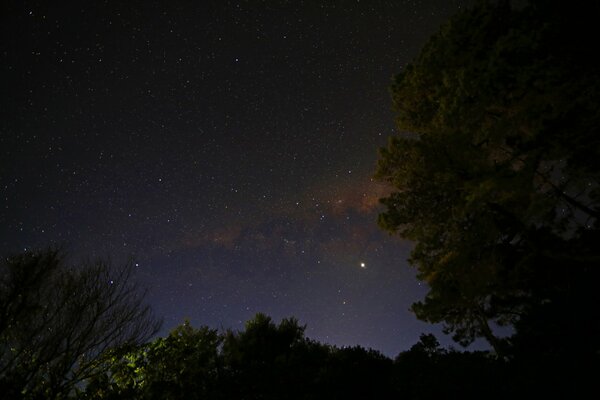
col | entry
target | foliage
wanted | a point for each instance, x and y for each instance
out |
(56, 320)
(184, 365)
(275, 361)
(496, 175)
(265, 358)
(264, 361)
(427, 371)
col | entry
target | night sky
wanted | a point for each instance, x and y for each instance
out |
(227, 146)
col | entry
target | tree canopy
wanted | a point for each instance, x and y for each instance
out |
(98, 346)
(264, 361)
(267, 360)
(58, 320)
(496, 173)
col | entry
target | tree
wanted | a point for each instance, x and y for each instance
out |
(184, 365)
(264, 361)
(356, 372)
(496, 174)
(269, 361)
(427, 371)
(57, 320)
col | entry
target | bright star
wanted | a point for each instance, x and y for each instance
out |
(363, 265)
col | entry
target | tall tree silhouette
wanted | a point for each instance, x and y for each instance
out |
(496, 171)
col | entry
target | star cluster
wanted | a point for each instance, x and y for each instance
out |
(227, 146)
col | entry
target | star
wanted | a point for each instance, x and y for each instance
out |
(363, 265)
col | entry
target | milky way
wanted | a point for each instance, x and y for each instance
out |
(227, 146)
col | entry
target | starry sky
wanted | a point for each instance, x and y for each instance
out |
(228, 147)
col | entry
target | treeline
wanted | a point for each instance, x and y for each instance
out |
(276, 361)
(84, 332)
